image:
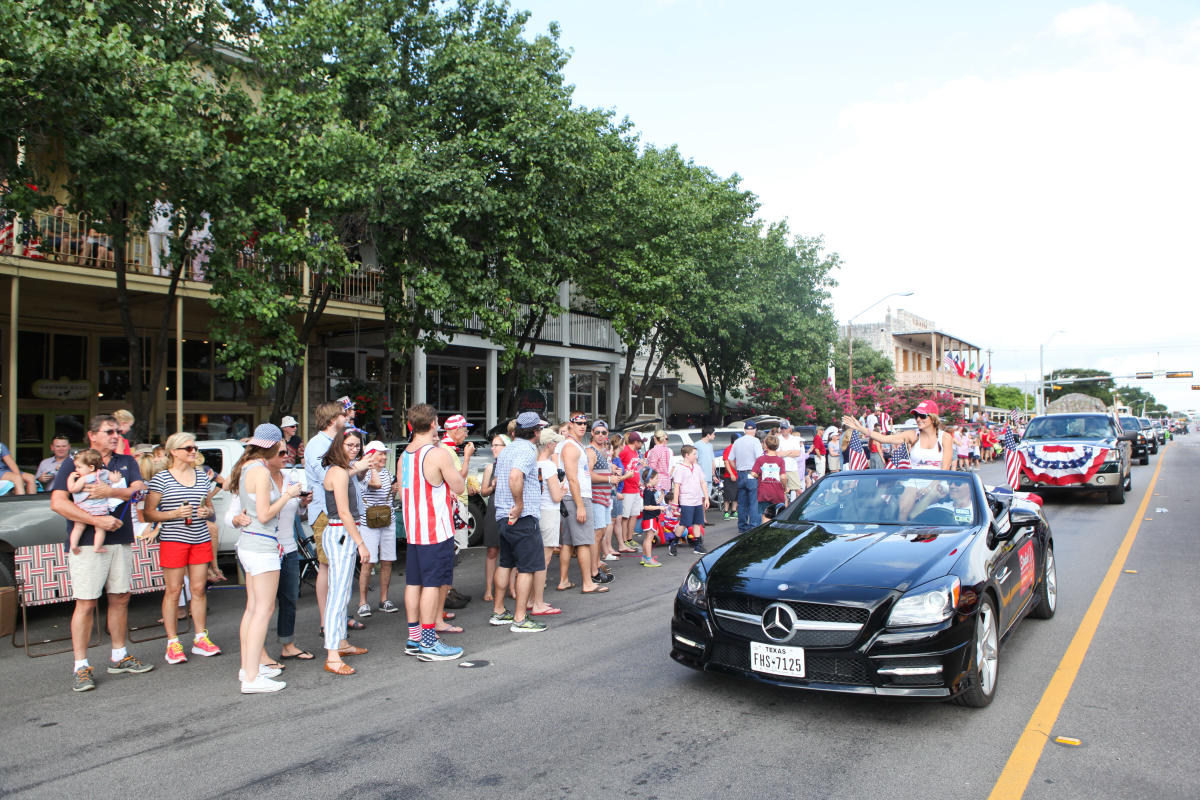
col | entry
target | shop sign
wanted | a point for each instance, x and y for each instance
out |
(531, 400)
(62, 389)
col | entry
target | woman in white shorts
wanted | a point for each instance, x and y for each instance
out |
(376, 486)
(257, 478)
(550, 516)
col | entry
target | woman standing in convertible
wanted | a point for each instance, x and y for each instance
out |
(929, 446)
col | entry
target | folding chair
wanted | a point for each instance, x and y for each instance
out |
(147, 576)
(43, 578)
(306, 547)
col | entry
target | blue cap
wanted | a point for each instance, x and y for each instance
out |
(530, 419)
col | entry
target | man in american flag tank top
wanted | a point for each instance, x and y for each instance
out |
(428, 485)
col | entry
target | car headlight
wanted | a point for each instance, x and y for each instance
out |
(1113, 455)
(694, 587)
(928, 604)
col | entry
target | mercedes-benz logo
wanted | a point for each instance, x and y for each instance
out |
(779, 622)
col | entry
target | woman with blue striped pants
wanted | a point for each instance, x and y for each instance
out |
(341, 542)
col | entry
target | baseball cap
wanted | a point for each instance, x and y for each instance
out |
(599, 424)
(784, 424)
(288, 422)
(550, 436)
(374, 446)
(633, 436)
(926, 407)
(751, 426)
(457, 421)
(529, 419)
(266, 435)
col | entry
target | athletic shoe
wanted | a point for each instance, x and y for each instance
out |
(651, 562)
(203, 646)
(129, 664)
(630, 543)
(699, 549)
(612, 557)
(364, 610)
(175, 653)
(440, 652)
(388, 607)
(503, 618)
(84, 682)
(528, 626)
(263, 670)
(412, 647)
(728, 515)
(262, 685)
(673, 547)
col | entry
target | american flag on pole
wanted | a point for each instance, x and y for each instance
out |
(949, 362)
(858, 453)
(1012, 456)
(900, 458)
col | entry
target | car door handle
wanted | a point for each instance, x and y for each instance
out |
(1002, 575)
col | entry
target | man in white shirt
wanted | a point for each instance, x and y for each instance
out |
(791, 450)
(159, 235)
(743, 454)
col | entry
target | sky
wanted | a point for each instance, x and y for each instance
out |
(1029, 170)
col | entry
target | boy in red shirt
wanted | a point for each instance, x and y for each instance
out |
(729, 491)
(771, 472)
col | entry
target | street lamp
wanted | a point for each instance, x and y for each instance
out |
(1042, 372)
(850, 335)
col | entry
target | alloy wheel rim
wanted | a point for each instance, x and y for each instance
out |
(1051, 581)
(986, 651)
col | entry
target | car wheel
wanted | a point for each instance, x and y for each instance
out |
(985, 657)
(475, 526)
(1047, 600)
(1144, 460)
(1116, 495)
(1129, 481)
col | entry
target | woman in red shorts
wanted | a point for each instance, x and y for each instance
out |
(178, 498)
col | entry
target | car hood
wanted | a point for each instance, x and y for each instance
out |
(807, 555)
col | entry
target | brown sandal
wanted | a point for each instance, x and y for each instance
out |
(341, 668)
(351, 650)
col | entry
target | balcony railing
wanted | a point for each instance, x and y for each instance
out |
(945, 380)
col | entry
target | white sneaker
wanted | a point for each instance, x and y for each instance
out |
(263, 670)
(262, 685)
(612, 557)
(364, 610)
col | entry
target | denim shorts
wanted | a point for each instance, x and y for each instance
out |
(601, 516)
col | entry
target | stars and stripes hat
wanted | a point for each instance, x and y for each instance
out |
(266, 435)
(457, 421)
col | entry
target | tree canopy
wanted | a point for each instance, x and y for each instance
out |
(868, 363)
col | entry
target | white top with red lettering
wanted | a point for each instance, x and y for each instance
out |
(427, 515)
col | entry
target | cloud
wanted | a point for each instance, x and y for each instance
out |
(1028, 201)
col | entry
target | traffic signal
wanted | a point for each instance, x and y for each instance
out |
(1187, 374)
(1144, 375)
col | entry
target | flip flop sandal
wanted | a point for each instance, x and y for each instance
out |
(303, 655)
(549, 612)
(448, 615)
(598, 590)
(341, 668)
(275, 665)
(565, 588)
(354, 624)
(450, 629)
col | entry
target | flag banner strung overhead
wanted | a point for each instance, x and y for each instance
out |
(1061, 464)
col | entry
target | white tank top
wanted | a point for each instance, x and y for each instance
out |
(926, 457)
(585, 476)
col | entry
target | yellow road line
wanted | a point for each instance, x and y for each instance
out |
(1025, 756)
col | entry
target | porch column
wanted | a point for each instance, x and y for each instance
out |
(14, 308)
(493, 386)
(562, 388)
(937, 359)
(420, 375)
(614, 393)
(178, 364)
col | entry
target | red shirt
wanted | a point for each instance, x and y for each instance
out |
(819, 445)
(629, 460)
(770, 471)
(729, 473)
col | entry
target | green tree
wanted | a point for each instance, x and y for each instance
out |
(1138, 399)
(1008, 397)
(868, 363)
(1101, 389)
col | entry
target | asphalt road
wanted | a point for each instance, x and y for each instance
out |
(594, 706)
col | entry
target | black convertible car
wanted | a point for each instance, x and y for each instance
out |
(887, 582)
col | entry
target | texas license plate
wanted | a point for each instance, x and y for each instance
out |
(775, 659)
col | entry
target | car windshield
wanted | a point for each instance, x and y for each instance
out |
(899, 499)
(1130, 424)
(1065, 426)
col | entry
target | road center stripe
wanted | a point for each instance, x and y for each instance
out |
(1024, 758)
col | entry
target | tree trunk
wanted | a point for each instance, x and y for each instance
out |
(288, 389)
(534, 323)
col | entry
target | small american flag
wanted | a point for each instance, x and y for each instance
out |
(949, 362)
(1012, 457)
(858, 453)
(900, 458)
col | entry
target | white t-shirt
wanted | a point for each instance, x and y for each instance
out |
(791, 443)
(547, 468)
(581, 472)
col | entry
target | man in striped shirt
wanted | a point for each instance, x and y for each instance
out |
(428, 483)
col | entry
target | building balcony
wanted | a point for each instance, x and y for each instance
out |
(956, 384)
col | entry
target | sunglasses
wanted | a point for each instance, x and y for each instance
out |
(919, 415)
(191, 448)
(107, 432)
(283, 452)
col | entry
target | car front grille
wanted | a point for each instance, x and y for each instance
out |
(753, 630)
(819, 668)
(816, 612)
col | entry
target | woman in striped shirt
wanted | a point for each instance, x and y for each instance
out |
(178, 499)
(376, 490)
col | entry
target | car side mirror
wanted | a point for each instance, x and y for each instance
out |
(1128, 437)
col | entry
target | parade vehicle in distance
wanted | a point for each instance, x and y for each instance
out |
(1076, 451)
(1147, 428)
(1141, 445)
(841, 592)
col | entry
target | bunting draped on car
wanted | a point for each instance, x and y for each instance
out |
(1061, 464)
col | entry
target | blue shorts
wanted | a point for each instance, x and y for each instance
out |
(521, 545)
(601, 516)
(691, 516)
(617, 506)
(429, 564)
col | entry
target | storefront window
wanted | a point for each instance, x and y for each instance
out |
(581, 392)
(205, 379)
(219, 426)
(49, 355)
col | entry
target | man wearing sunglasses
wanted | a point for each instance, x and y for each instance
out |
(577, 533)
(110, 571)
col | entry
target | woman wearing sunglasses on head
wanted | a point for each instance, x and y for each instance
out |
(178, 498)
(929, 446)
